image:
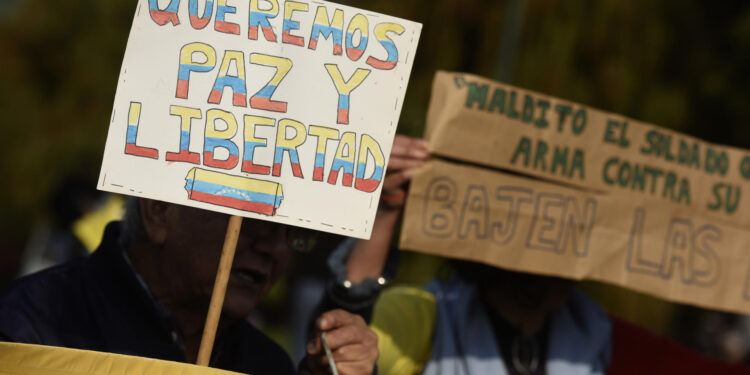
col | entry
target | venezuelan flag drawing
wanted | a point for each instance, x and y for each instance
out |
(242, 193)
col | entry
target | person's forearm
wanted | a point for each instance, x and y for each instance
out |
(368, 257)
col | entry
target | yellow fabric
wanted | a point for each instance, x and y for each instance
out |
(25, 359)
(404, 320)
(90, 228)
(417, 268)
(647, 311)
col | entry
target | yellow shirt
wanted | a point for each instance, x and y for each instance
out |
(404, 320)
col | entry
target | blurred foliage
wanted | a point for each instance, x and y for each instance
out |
(680, 64)
(61, 61)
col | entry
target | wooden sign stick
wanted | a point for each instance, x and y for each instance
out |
(220, 289)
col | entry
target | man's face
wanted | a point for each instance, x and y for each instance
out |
(193, 243)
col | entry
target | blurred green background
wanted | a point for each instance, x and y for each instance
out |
(676, 63)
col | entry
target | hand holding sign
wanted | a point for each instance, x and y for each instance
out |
(594, 195)
(407, 154)
(295, 132)
(367, 259)
(353, 345)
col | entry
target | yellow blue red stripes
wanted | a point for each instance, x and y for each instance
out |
(259, 18)
(221, 24)
(220, 139)
(289, 146)
(358, 23)
(236, 83)
(197, 21)
(368, 146)
(187, 65)
(251, 142)
(186, 115)
(131, 134)
(290, 24)
(328, 28)
(163, 16)
(242, 193)
(381, 34)
(262, 99)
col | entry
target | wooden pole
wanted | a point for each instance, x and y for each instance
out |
(220, 289)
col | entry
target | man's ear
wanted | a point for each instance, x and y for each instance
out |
(154, 218)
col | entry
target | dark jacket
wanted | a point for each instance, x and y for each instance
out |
(98, 303)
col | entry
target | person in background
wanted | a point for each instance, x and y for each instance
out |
(145, 291)
(486, 320)
(56, 242)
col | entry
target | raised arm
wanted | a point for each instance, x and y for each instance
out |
(353, 344)
(367, 259)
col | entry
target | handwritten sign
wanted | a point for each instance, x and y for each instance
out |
(268, 109)
(593, 195)
(485, 122)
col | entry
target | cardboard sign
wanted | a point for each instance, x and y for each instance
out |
(268, 109)
(593, 196)
(482, 121)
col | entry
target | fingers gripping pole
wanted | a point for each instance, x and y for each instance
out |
(329, 354)
(220, 289)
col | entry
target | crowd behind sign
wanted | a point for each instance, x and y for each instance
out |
(600, 196)
(279, 110)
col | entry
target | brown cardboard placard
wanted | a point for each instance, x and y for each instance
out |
(481, 121)
(528, 225)
(592, 195)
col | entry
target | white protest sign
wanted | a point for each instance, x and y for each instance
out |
(275, 110)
